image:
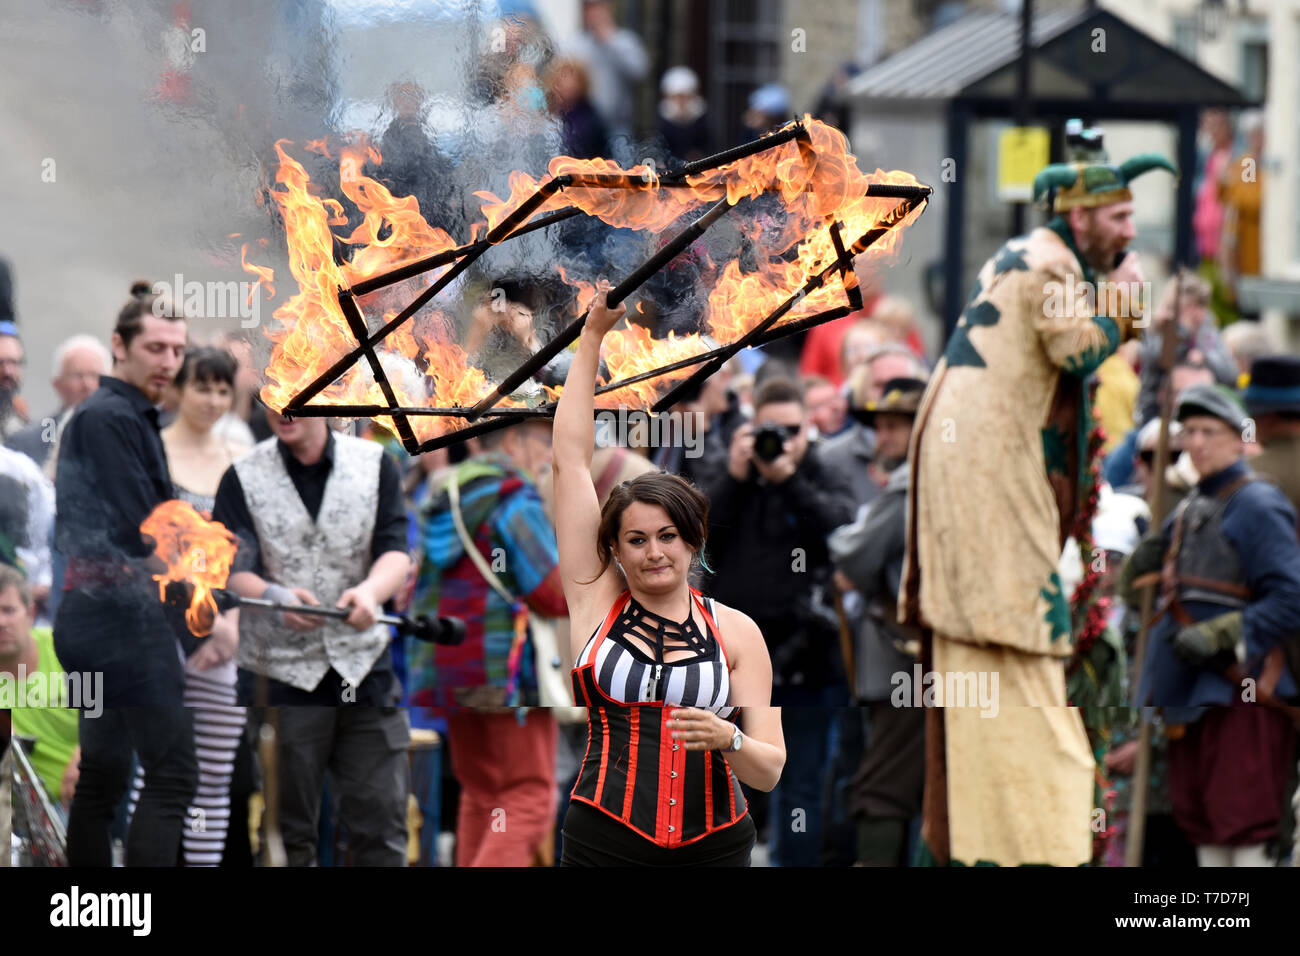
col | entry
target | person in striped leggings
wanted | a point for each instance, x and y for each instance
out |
(197, 457)
(663, 671)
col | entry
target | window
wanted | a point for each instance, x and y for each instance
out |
(1187, 35)
(1254, 69)
(745, 52)
(1252, 42)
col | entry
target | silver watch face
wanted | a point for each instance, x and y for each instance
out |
(736, 738)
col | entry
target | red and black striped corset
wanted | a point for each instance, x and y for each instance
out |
(633, 672)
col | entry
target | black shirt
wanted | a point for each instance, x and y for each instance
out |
(231, 508)
(767, 542)
(112, 473)
(767, 546)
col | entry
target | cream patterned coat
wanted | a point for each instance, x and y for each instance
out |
(996, 450)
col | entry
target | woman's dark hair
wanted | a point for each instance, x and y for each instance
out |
(686, 505)
(144, 301)
(207, 364)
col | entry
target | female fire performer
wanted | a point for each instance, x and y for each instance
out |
(663, 671)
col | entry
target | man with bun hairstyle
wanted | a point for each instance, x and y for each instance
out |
(112, 473)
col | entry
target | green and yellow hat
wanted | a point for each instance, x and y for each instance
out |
(1086, 185)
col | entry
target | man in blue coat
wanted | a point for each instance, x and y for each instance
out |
(1228, 564)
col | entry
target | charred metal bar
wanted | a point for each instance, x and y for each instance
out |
(526, 208)
(413, 269)
(468, 255)
(736, 152)
(852, 287)
(627, 180)
(338, 613)
(357, 322)
(667, 253)
(377, 411)
(473, 431)
(771, 335)
(670, 179)
(616, 295)
(441, 630)
(367, 342)
(898, 191)
(896, 216)
(802, 325)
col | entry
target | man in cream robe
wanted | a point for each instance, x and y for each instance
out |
(997, 456)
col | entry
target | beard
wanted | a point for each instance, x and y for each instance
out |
(888, 463)
(1099, 250)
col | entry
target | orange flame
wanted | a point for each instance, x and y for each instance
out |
(265, 274)
(195, 550)
(817, 181)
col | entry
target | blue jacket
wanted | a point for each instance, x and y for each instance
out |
(1260, 524)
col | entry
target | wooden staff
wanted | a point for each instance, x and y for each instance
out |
(1156, 499)
(846, 643)
(268, 751)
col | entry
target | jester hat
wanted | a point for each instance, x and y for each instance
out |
(1088, 185)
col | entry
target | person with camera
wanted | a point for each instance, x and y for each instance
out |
(771, 512)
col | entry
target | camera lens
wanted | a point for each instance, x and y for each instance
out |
(769, 442)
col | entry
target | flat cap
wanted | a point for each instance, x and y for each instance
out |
(1216, 401)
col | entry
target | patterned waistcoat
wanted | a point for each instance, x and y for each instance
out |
(326, 556)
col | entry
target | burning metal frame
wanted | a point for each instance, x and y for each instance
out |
(483, 416)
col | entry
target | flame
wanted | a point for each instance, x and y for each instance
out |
(195, 550)
(625, 352)
(265, 274)
(314, 331)
(817, 181)
(586, 290)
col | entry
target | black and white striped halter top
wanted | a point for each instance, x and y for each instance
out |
(639, 657)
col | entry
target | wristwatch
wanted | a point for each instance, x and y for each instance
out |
(736, 740)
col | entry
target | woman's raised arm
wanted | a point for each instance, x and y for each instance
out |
(577, 509)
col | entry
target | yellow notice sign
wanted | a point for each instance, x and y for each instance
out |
(1023, 151)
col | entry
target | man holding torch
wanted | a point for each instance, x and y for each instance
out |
(320, 520)
(1000, 472)
(112, 473)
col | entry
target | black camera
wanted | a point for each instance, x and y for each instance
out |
(769, 440)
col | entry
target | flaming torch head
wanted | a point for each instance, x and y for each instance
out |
(197, 552)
